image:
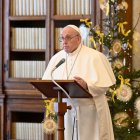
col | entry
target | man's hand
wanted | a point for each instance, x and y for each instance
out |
(81, 82)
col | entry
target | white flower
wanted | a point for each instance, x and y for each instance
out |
(124, 93)
(49, 126)
(137, 104)
(121, 119)
(118, 63)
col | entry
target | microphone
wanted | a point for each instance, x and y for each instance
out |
(66, 93)
(59, 63)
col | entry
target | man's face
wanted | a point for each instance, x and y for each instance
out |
(70, 39)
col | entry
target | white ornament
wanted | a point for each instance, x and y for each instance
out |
(49, 126)
(124, 93)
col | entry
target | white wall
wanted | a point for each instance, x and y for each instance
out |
(136, 52)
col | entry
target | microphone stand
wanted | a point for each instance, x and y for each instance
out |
(61, 108)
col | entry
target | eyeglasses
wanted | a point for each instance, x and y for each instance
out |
(68, 38)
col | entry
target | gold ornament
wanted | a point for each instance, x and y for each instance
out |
(124, 5)
(117, 64)
(121, 119)
(117, 46)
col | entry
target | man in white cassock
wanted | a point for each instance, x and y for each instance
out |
(93, 72)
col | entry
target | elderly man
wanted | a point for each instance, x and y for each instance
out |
(93, 72)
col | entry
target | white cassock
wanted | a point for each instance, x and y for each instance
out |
(94, 120)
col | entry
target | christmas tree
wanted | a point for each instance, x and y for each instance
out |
(115, 41)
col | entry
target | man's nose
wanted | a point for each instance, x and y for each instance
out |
(65, 41)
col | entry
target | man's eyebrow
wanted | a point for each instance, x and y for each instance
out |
(67, 35)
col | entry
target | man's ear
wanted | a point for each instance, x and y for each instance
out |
(80, 39)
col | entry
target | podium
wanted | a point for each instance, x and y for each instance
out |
(50, 90)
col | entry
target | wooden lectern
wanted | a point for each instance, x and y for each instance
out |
(50, 90)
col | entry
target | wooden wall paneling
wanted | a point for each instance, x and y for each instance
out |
(1, 74)
(1, 46)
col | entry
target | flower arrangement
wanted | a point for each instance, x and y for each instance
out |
(49, 123)
(115, 41)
